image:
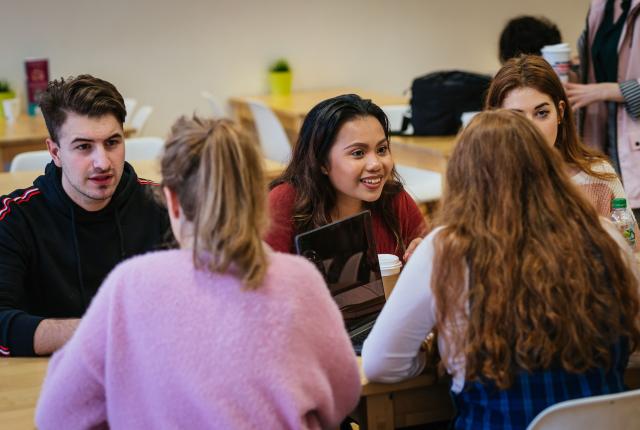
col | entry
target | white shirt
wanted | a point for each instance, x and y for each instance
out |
(392, 353)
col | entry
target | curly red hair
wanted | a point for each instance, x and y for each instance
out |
(548, 285)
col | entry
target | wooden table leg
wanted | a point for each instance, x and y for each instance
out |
(379, 412)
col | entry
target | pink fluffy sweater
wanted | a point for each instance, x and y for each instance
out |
(166, 346)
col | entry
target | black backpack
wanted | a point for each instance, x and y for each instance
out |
(439, 99)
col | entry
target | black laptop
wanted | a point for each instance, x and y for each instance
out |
(345, 253)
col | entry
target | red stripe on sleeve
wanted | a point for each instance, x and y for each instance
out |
(5, 204)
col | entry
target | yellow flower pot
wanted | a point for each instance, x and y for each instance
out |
(280, 83)
(4, 96)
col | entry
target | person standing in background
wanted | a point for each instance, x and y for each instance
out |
(527, 35)
(609, 94)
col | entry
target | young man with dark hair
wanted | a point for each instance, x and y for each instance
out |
(89, 211)
(527, 35)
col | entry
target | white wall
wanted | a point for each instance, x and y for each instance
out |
(165, 52)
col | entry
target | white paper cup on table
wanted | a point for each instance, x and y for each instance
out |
(390, 267)
(559, 57)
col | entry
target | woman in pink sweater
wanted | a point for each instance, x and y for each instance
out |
(221, 333)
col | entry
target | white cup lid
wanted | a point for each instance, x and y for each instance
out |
(389, 264)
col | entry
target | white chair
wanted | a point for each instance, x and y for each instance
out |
(140, 118)
(425, 186)
(129, 105)
(613, 411)
(216, 108)
(143, 148)
(395, 115)
(466, 118)
(30, 161)
(273, 139)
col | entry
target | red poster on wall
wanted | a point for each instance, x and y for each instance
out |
(37, 79)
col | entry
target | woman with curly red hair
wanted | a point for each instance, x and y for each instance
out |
(534, 297)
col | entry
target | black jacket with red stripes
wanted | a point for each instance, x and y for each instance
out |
(54, 254)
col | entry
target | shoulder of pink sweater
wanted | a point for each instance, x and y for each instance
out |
(302, 284)
(286, 265)
(145, 269)
(155, 259)
(305, 297)
(318, 316)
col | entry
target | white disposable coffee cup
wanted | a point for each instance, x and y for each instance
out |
(390, 267)
(559, 57)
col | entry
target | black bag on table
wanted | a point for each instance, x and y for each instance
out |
(439, 99)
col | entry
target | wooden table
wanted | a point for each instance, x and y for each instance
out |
(419, 400)
(419, 151)
(147, 169)
(426, 152)
(411, 402)
(27, 133)
(20, 382)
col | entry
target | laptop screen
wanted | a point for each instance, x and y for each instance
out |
(345, 253)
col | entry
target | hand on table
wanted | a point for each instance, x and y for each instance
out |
(581, 95)
(51, 334)
(412, 247)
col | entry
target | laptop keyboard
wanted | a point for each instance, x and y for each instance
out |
(357, 338)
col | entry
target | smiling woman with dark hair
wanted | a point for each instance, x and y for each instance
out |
(341, 165)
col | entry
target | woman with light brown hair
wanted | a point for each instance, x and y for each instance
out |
(221, 333)
(534, 297)
(529, 85)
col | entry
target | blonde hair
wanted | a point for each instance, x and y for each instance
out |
(217, 174)
(547, 285)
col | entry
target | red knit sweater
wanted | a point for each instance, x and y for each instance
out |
(282, 231)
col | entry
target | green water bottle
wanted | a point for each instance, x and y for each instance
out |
(621, 217)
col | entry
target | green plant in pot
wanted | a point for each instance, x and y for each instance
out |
(280, 78)
(5, 93)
